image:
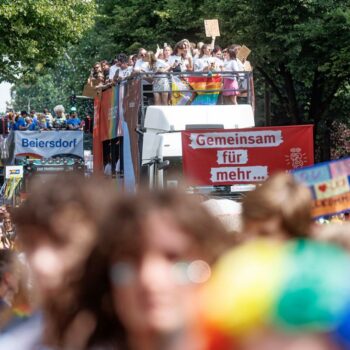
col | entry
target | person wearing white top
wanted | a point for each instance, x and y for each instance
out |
(230, 82)
(112, 70)
(124, 70)
(161, 85)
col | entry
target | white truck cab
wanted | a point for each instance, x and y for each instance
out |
(162, 147)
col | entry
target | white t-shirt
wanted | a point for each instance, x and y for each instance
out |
(124, 73)
(231, 66)
(159, 66)
(201, 63)
(178, 59)
(141, 66)
(112, 70)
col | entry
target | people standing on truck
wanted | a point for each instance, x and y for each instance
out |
(60, 119)
(142, 64)
(167, 52)
(20, 123)
(206, 62)
(74, 123)
(96, 77)
(231, 89)
(49, 118)
(181, 60)
(161, 85)
(124, 70)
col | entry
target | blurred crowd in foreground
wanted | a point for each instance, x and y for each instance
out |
(95, 269)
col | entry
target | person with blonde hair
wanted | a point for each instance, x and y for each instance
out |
(280, 208)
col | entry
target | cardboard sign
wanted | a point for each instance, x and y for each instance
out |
(13, 171)
(211, 27)
(243, 53)
(329, 183)
(244, 156)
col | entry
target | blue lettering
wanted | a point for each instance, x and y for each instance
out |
(31, 143)
(41, 144)
(24, 142)
(52, 144)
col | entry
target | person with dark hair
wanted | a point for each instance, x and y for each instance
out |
(231, 89)
(124, 70)
(20, 123)
(160, 249)
(58, 231)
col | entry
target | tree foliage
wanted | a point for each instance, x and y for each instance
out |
(301, 48)
(35, 32)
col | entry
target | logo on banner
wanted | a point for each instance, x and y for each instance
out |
(244, 156)
(49, 143)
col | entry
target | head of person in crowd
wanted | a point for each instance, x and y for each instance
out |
(32, 113)
(9, 278)
(59, 111)
(217, 52)
(161, 246)
(152, 59)
(96, 70)
(132, 60)
(24, 114)
(179, 49)
(279, 208)
(143, 55)
(167, 52)
(205, 51)
(123, 61)
(46, 111)
(187, 47)
(225, 54)
(105, 66)
(58, 231)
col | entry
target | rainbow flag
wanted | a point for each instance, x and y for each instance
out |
(213, 82)
(181, 92)
(109, 113)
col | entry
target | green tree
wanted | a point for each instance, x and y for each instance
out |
(301, 48)
(34, 33)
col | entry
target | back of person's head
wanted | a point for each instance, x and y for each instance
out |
(232, 52)
(279, 204)
(24, 113)
(152, 58)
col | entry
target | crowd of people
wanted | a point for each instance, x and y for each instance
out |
(33, 121)
(185, 57)
(92, 268)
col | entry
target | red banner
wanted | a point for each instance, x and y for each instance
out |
(225, 157)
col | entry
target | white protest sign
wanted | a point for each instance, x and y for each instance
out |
(13, 171)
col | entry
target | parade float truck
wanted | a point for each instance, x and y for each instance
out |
(46, 153)
(196, 139)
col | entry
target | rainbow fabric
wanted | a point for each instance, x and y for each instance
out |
(213, 82)
(181, 92)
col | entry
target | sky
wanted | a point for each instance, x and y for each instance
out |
(4, 95)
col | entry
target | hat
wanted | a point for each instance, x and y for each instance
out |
(73, 109)
(227, 211)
